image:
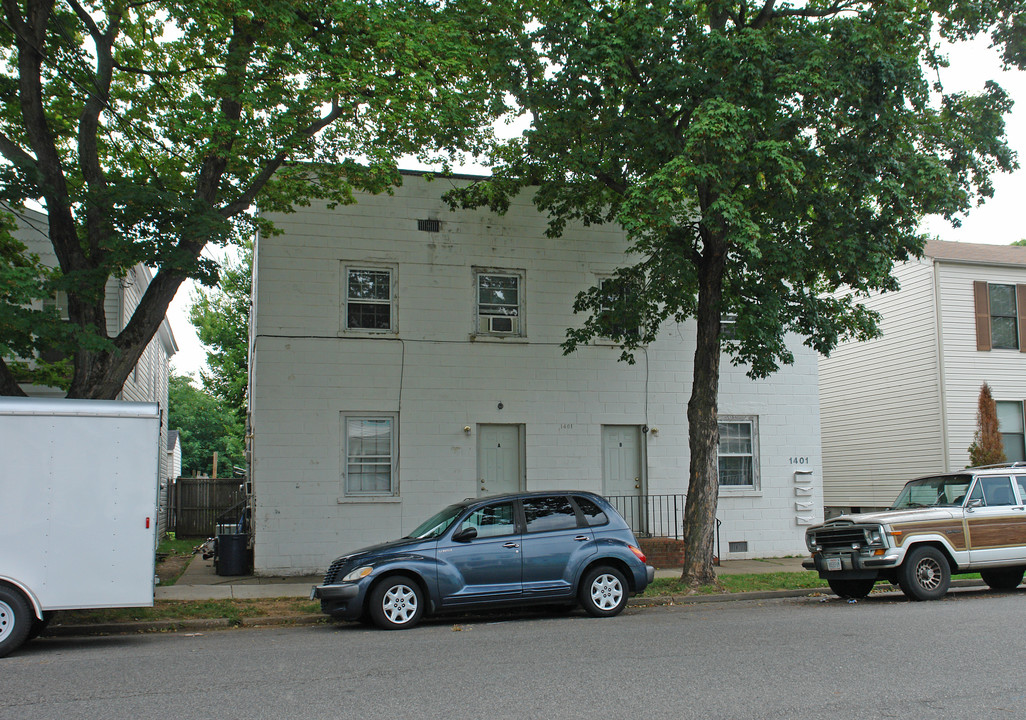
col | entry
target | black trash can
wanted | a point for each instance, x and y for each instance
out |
(231, 554)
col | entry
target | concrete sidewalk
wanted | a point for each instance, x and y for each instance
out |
(199, 582)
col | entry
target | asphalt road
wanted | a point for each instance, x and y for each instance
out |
(962, 657)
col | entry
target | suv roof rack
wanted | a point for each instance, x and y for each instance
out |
(1015, 464)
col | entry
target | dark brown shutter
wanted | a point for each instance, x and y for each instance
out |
(982, 301)
(1020, 310)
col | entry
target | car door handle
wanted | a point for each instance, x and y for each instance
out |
(581, 538)
(511, 545)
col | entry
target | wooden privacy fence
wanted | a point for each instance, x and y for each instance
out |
(196, 502)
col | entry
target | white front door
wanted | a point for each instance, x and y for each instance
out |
(622, 479)
(500, 454)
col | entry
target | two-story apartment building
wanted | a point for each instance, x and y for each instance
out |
(405, 356)
(905, 404)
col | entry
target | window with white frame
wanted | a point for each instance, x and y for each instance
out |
(738, 452)
(1000, 310)
(614, 315)
(500, 301)
(369, 451)
(1010, 425)
(59, 302)
(1004, 332)
(728, 325)
(369, 298)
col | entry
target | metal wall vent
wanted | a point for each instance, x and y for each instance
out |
(429, 225)
(737, 546)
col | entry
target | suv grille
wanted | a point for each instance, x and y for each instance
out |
(841, 537)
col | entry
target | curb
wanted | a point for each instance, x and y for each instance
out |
(156, 626)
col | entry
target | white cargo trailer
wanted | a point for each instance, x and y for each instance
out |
(78, 509)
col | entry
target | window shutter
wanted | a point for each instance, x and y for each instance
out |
(1020, 310)
(982, 302)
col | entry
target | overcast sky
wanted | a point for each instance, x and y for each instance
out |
(999, 221)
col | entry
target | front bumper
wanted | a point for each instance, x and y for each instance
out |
(852, 565)
(343, 601)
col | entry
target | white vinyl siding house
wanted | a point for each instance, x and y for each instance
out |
(904, 405)
(359, 434)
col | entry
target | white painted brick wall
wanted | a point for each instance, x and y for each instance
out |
(306, 373)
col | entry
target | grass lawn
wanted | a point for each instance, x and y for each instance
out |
(753, 582)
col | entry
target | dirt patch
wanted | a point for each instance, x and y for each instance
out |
(171, 567)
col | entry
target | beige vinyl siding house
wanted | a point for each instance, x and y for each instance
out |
(904, 405)
(149, 380)
(404, 357)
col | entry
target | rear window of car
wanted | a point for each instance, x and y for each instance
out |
(593, 514)
(549, 513)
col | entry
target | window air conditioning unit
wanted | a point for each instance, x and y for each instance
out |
(500, 324)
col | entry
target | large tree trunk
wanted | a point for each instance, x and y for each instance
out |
(101, 375)
(703, 426)
(8, 385)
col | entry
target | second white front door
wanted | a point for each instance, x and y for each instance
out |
(622, 479)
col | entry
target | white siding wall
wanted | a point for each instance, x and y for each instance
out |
(966, 368)
(305, 373)
(149, 382)
(880, 400)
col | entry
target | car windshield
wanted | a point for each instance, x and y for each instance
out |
(938, 491)
(437, 523)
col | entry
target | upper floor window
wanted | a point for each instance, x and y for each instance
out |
(500, 301)
(738, 453)
(1000, 315)
(614, 313)
(728, 323)
(59, 302)
(369, 298)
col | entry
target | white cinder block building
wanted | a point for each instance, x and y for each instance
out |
(904, 405)
(404, 357)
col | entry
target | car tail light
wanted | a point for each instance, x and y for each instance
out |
(637, 551)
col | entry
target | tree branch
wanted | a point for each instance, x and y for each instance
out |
(768, 14)
(89, 125)
(10, 150)
(256, 185)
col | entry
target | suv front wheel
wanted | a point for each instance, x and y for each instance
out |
(852, 588)
(925, 574)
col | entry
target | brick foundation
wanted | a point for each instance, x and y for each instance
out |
(663, 552)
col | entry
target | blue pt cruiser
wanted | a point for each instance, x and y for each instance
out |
(556, 548)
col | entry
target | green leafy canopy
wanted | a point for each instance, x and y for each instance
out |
(809, 144)
(148, 130)
(767, 160)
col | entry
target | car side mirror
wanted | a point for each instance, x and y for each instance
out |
(973, 504)
(465, 535)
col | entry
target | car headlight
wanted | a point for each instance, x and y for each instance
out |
(874, 537)
(360, 572)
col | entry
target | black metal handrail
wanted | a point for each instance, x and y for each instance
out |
(652, 516)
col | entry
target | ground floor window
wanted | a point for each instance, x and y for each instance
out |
(1010, 425)
(738, 452)
(369, 442)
